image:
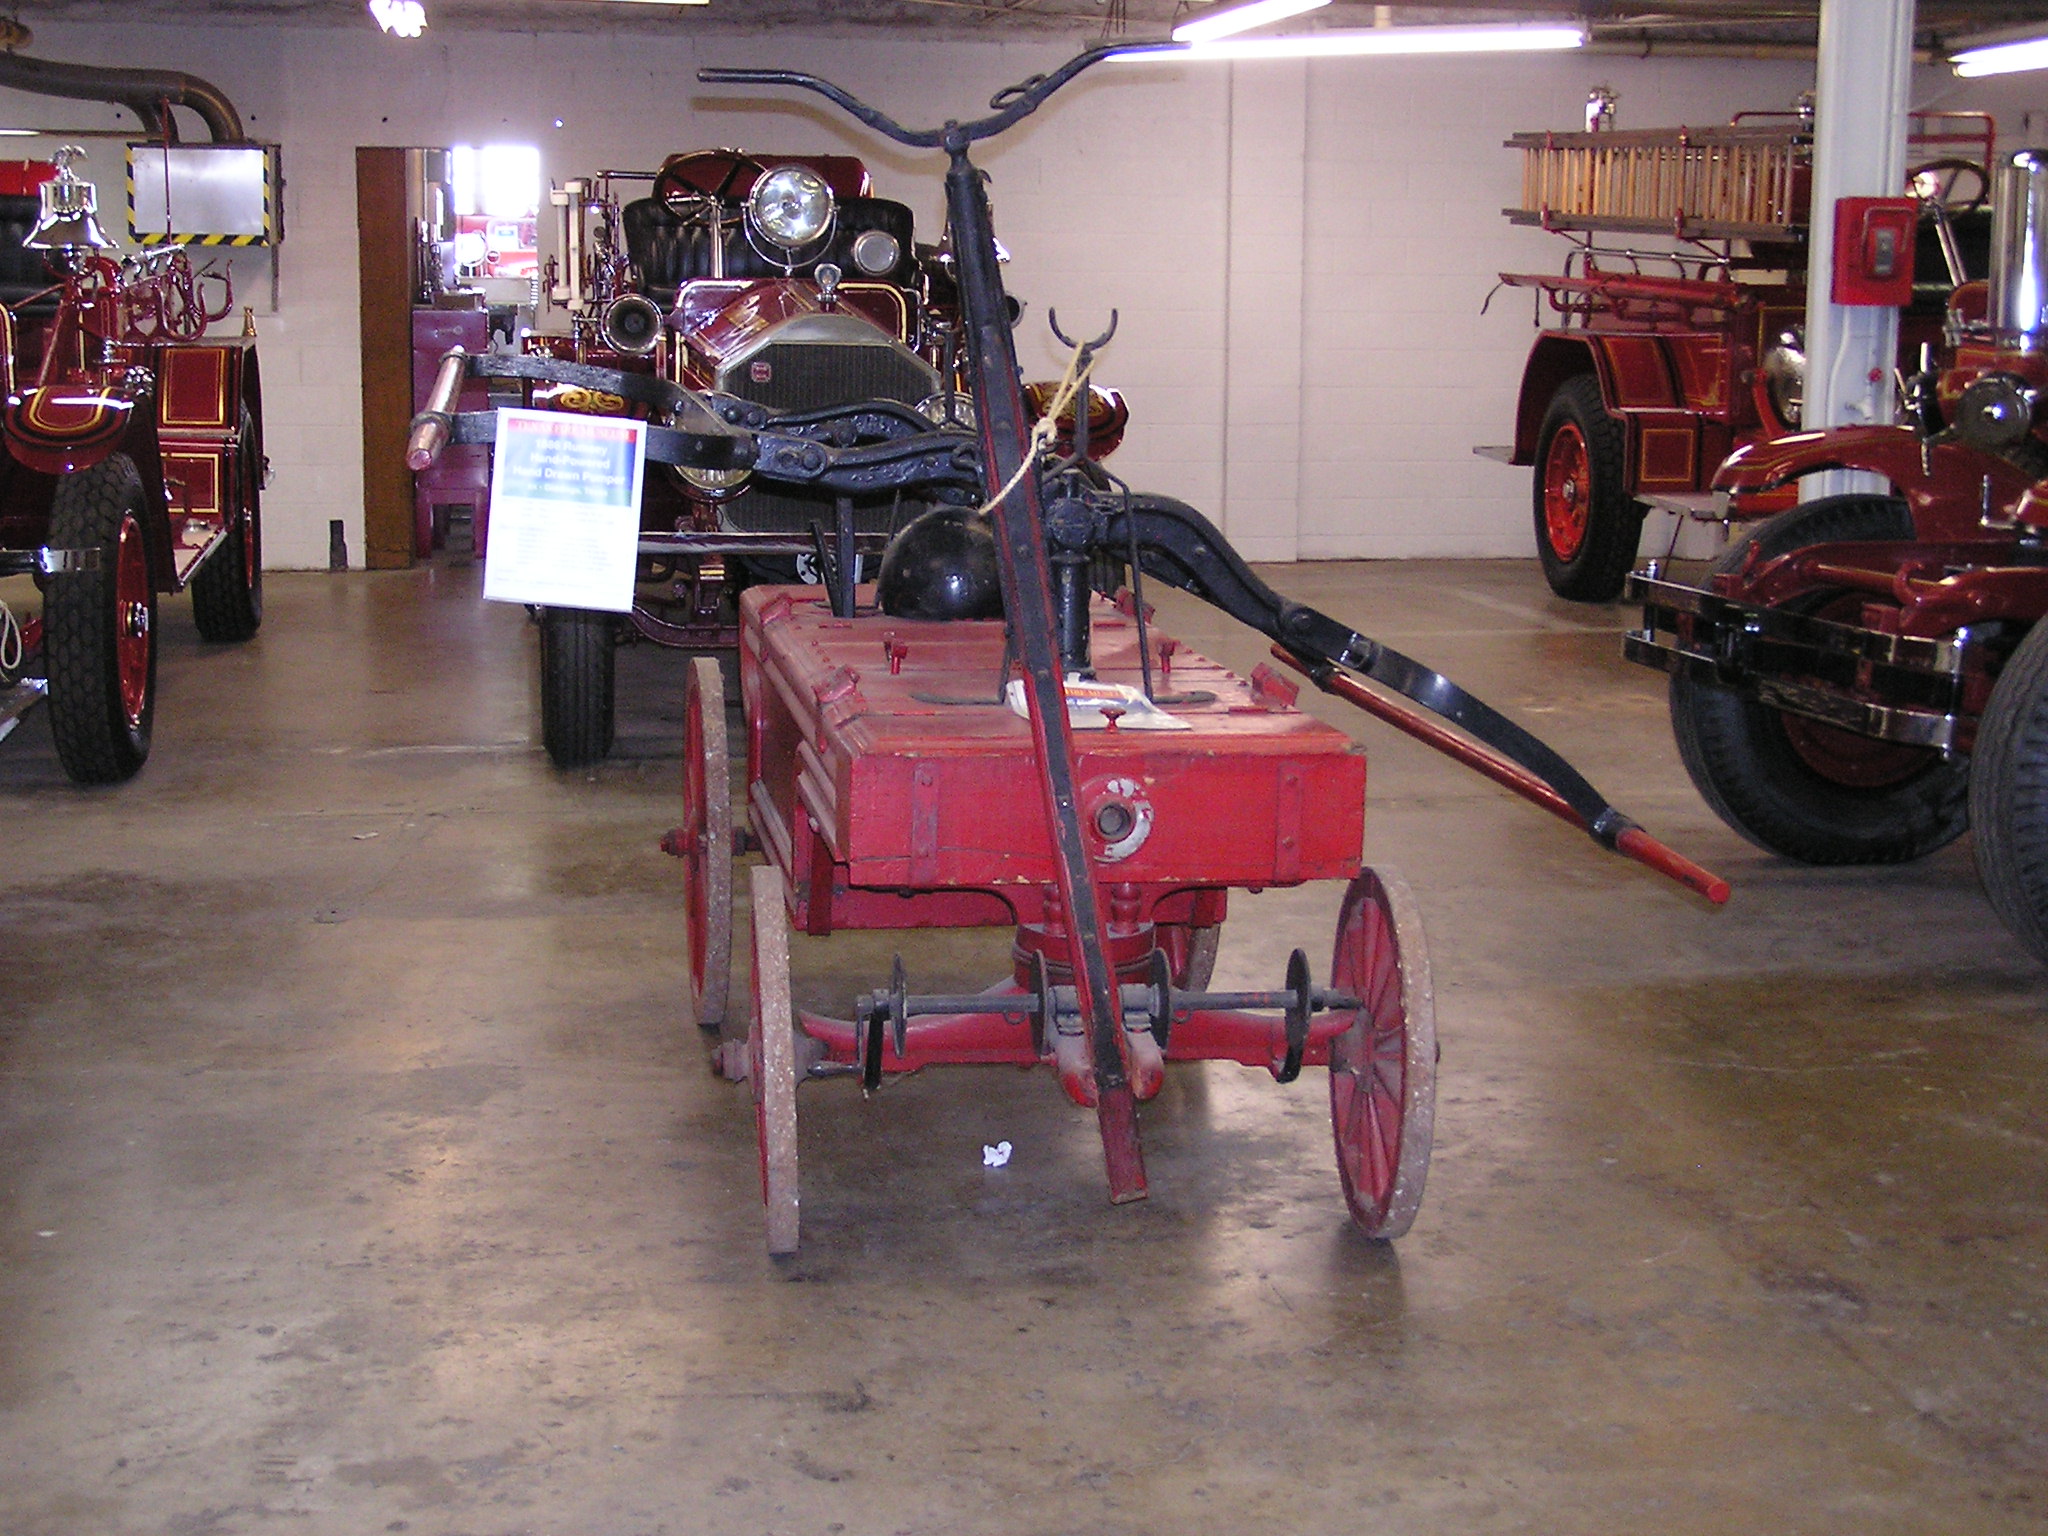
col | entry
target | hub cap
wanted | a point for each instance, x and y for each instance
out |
(132, 635)
(1567, 491)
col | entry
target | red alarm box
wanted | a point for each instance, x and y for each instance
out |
(1874, 239)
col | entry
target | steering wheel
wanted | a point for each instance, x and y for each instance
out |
(675, 188)
(1938, 181)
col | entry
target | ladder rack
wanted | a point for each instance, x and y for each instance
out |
(1742, 182)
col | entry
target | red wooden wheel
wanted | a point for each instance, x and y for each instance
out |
(1191, 952)
(771, 1060)
(1567, 491)
(1383, 1068)
(706, 841)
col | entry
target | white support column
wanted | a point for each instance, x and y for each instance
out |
(1865, 72)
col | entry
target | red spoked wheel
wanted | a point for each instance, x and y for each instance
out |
(771, 1060)
(1802, 788)
(1191, 953)
(1567, 491)
(705, 842)
(1845, 757)
(1383, 1068)
(1588, 523)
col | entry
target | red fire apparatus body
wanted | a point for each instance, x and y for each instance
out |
(1863, 676)
(134, 467)
(782, 284)
(1655, 364)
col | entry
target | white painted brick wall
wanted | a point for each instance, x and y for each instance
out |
(1298, 252)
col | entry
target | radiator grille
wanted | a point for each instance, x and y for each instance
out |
(811, 376)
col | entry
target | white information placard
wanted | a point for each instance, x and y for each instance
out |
(565, 510)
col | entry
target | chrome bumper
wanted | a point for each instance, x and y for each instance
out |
(1889, 687)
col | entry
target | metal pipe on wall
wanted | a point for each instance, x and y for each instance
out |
(148, 93)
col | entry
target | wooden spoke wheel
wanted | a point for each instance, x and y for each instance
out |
(771, 1060)
(1191, 953)
(706, 842)
(1383, 1068)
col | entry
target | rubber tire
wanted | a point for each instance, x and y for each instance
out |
(1747, 769)
(1594, 572)
(227, 591)
(2009, 793)
(99, 739)
(578, 651)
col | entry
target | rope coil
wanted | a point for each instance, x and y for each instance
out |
(1073, 384)
(10, 646)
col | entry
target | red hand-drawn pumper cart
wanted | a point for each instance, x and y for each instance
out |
(1064, 768)
(888, 795)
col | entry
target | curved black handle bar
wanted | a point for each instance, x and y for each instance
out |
(1013, 103)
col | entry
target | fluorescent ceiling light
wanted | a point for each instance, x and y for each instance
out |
(401, 18)
(2001, 54)
(1227, 21)
(1376, 40)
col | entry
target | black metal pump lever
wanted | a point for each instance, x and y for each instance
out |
(1181, 547)
(1184, 549)
(1012, 104)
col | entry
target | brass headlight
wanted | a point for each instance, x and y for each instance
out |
(876, 252)
(715, 484)
(1997, 411)
(790, 207)
(953, 408)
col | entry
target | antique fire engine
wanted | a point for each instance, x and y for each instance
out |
(1863, 678)
(1673, 334)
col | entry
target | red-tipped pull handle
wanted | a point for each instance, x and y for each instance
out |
(1633, 843)
(1637, 844)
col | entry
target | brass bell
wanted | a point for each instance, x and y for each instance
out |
(69, 219)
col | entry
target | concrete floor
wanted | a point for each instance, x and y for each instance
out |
(359, 1171)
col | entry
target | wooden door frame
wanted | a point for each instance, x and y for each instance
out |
(384, 266)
